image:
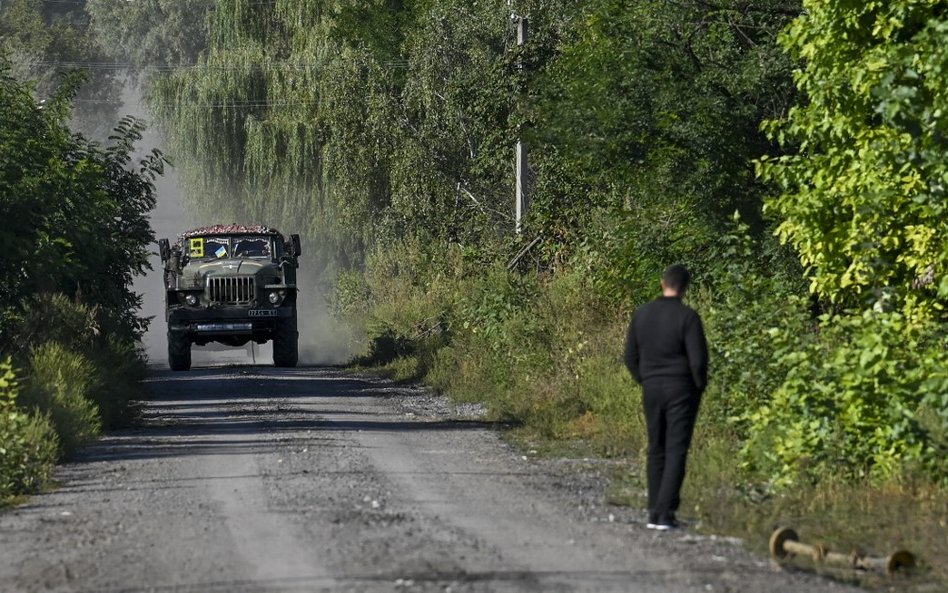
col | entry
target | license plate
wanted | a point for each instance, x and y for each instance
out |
(263, 312)
(223, 328)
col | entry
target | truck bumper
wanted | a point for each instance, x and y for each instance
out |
(226, 325)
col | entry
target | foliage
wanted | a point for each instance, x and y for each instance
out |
(55, 318)
(120, 366)
(309, 114)
(530, 347)
(80, 209)
(863, 203)
(750, 295)
(385, 128)
(119, 362)
(657, 105)
(869, 395)
(47, 40)
(314, 118)
(61, 383)
(153, 35)
(863, 200)
(541, 349)
(28, 442)
(77, 232)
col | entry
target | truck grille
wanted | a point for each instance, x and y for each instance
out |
(231, 290)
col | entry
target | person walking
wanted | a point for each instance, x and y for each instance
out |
(666, 352)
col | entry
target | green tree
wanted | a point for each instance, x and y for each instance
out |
(656, 108)
(864, 198)
(643, 119)
(78, 210)
(863, 202)
(28, 442)
(312, 117)
(151, 35)
(47, 40)
(647, 122)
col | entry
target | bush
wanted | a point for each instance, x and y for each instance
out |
(118, 364)
(120, 367)
(76, 382)
(743, 303)
(539, 349)
(386, 347)
(350, 295)
(401, 303)
(61, 384)
(868, 397)
(28, 443)
(56, 318)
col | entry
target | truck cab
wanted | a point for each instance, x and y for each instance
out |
(231, 284)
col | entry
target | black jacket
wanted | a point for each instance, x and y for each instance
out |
(666, 339)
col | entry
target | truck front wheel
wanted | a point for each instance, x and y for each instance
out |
(179, 351)
(286, 343)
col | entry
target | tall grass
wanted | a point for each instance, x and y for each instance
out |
(63, 384)
(28, 441)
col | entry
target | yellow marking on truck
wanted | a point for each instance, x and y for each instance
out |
(197, 247)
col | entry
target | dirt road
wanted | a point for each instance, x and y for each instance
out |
(246, 479)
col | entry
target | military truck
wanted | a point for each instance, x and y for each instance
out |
(231, 284)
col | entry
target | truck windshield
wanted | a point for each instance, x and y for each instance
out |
(252, 247)
(210, 248)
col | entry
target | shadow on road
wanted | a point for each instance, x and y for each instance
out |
(548, 580)
(242, 410)
(244, 382)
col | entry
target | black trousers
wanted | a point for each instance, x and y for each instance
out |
(671, 407)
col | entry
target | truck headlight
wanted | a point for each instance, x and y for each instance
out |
(191, 299)
(275, 298)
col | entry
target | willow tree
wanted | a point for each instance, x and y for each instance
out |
(361, 121)
(151, 35)
(80, 210)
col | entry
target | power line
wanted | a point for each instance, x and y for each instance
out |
(119, 66)
(231, 104)
(83, 2)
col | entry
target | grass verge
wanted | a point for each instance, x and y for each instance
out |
(871, 517)
(62, 386)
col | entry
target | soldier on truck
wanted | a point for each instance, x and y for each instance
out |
(231, 284)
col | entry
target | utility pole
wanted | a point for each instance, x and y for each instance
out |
(523, 162)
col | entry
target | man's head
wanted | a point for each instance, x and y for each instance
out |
(675, 280)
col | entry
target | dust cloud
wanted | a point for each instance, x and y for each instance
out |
(323, 340)
(167, 220)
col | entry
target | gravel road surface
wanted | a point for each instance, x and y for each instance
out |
(243, 479)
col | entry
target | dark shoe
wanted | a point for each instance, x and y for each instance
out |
(666, 523)
(652, 521)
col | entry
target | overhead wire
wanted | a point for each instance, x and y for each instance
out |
(278, 66)
(118, 66)
(231, 104)
(173, 67)
(82, 2)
